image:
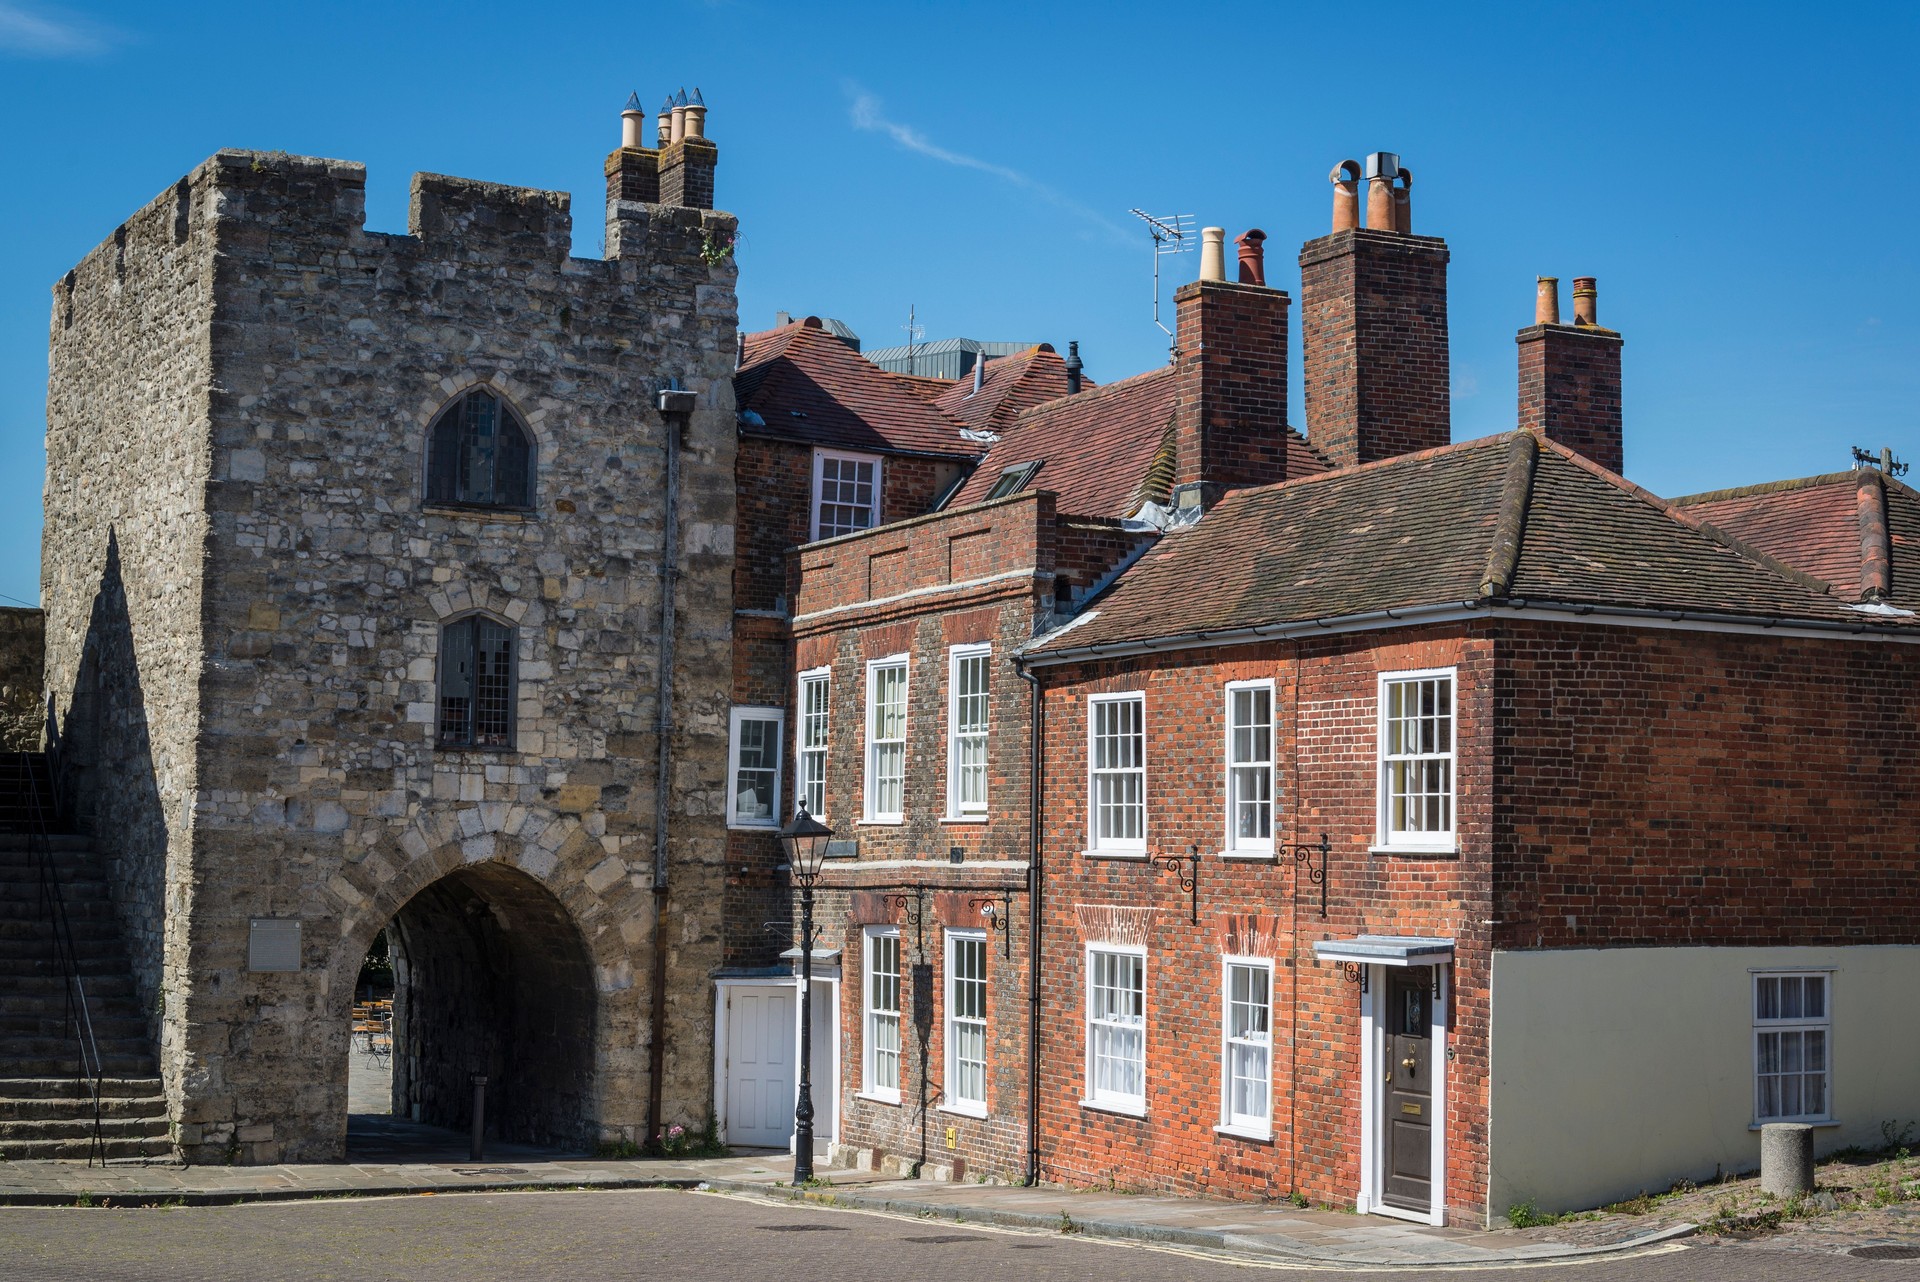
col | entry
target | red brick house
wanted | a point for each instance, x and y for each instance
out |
(829, 444)
(1411, 814)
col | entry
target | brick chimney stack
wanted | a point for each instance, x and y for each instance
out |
(1230, 415)
(1373, 324)
(633, 170)
(1570, 376)
(688, 159)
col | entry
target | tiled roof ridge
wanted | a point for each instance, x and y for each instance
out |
(1764, 487)
(1740, 547)
(1101, 392)
(1378, 465)
(1510, 529)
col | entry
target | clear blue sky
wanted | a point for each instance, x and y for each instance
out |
(1741, 178)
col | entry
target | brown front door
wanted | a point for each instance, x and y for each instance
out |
(1409, 1080)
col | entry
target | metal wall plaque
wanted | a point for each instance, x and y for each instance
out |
(273, 944)
(846, 848)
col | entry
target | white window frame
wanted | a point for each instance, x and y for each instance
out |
(870, 813)
(820, 458)
(1802, 1024)
(870, 1015)
(1236, 846)
(1125, 848)
(811, 758)
(1387, 840)
(1094, 1096)
(1244, 1125)
(955, 657)
(954, 1102)
(748, 713)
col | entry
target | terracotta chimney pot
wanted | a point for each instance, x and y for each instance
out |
(677, 120)
(1403, 203)
(1253, 256)
(664, 122)
(1213, 253)
(696, 115)
(633, 124)
(1546, 300)
(1585, 301)
(1382, 168)
(1346, 195)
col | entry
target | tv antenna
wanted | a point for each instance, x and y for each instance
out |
(1172, 234)
(914, 334)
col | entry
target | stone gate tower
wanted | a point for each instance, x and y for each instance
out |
(354, 564)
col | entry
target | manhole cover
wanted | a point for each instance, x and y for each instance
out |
(803, 1228)
(941, 1239)
(1885, 1252)
(488, 1170)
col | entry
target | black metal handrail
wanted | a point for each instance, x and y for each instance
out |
(64, 959)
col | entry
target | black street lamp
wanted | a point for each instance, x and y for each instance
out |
(806, 841)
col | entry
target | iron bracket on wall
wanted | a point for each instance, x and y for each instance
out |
(1189, 879)
(1303, 854)
(1356, 974)
(998, 913)
(912, 906)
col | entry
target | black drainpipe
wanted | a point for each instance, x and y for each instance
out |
(1034, 883)
(675, 407)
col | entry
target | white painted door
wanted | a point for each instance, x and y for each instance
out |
(760, 1074)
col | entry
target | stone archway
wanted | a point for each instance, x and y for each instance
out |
(492, 977)
(550, 880)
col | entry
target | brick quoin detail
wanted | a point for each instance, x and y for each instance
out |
(1374, 349)
(1570, 389)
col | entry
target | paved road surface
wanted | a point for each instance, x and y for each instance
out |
(682, 1237)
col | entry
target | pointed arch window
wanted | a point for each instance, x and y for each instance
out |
(480, 454)
(476, 683)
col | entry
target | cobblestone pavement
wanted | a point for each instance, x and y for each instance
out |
(683, 1237)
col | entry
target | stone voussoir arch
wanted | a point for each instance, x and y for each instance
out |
(553, 849)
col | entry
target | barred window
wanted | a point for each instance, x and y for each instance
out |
(1416, 759)
(476, 684)
(480, 454)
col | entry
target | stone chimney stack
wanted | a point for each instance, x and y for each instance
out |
(633, 170)
(1373, 324)
(688, 160)
(1570, 375)
(1230, 413)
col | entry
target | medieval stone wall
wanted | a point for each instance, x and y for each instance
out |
(126, 524)
(321, 793)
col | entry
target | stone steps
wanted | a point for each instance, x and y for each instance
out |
(77, 1149)
(44, 1111)
(55, 1091)
(141, 1108)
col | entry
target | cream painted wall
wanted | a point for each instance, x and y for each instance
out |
(1622, 1069)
